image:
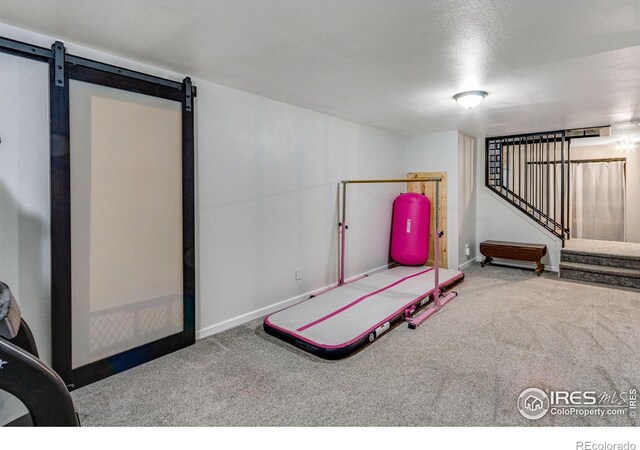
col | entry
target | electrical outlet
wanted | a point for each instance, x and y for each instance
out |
(467, 250)
(298, 274)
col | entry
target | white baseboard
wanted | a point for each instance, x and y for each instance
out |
(466, 264)
(520, 264)
(239, 320)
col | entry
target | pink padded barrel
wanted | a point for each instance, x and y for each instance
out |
(410, 229)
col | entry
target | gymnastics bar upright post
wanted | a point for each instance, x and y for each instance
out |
(439, 300)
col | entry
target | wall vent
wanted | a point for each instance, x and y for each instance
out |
(589, 132)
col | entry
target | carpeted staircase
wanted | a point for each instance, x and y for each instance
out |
(604, 263)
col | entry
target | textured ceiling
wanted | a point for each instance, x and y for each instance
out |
(547, 64)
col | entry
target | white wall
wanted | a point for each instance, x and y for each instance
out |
(268, 174)
(439, 152)
(24, 200)
(498, 220)
(632, 212)
(467, 199)
(24, 189)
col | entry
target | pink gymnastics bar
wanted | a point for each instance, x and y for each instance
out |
(439, 299)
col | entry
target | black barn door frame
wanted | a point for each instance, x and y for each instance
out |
(65, 67)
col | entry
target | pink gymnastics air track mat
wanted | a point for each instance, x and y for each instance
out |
(342, 320)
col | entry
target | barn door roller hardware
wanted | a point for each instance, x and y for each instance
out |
(57, 54)
(188, 94)
(58, 59)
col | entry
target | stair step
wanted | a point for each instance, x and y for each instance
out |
(604, 249)
(602, 253)
(601, 269)
(616, 276)
(623, 262)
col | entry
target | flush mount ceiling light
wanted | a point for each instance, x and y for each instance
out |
(469, 99)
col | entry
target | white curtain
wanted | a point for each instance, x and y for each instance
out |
(597, 200)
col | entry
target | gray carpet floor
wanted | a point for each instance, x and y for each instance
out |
(508, 330)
